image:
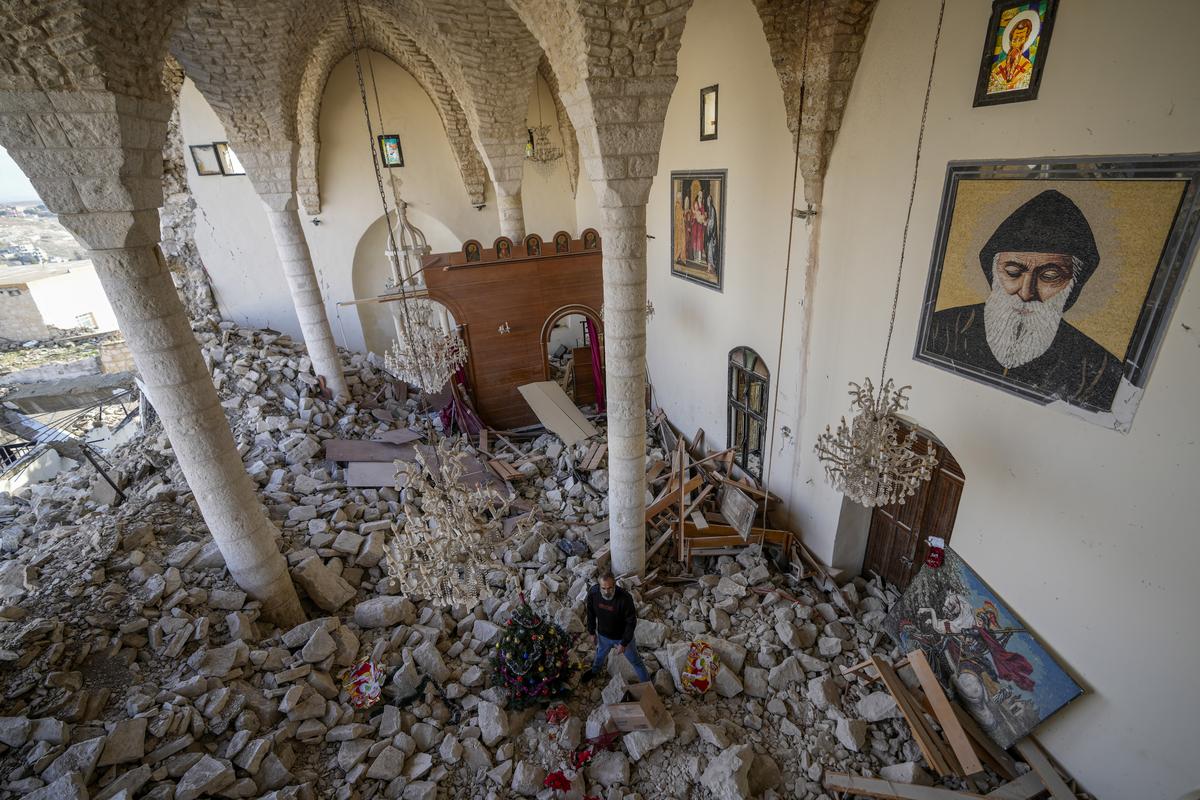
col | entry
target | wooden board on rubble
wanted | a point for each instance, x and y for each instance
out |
(504, 469)
(556, 411)
(364, 450)
(374, 474)
(1035, 758)
(739, 509)
(593, 457)
(942, 711)
(398, 436)
(1026, 787)
(887, 790)
(929, 743)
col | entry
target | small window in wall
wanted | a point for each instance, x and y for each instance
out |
(748, 382)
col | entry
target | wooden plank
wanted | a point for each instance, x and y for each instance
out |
(505, 470)
(659, 542)
(364, 450)
(483, 440)
(655, 470)
(374, 474)
(695, 504)
(865, 668)
(1036, 759)
(999, 760)
(920, 708)
(556, 411)
(1026, 787)
(739, 509)
(594, 456)
(671, 498)
(953, 731)
(877, 787)
(398, 436)
(914, 718)
(698, 520)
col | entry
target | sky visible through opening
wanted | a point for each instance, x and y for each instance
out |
(14, 186)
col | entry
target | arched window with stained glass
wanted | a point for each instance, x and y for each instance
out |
(749, 380)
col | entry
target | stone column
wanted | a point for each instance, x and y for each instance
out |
(504, 154)
(623, 230)
(96, 159)
(512, 215)
(272, 170)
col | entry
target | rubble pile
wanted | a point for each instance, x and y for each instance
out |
(132, 666)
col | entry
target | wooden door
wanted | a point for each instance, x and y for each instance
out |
(896, 543)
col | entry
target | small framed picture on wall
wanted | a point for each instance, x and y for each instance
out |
(708, 113)
(389, 150)
(1014, 51)
(204, 156)
(228, 159)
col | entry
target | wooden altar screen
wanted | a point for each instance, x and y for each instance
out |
(523, 291)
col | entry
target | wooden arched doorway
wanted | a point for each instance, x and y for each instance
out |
(566, 340)
(896, 542)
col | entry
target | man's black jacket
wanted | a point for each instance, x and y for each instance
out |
(614, 619)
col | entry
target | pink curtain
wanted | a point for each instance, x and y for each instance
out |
(458, 413)
(597, 366)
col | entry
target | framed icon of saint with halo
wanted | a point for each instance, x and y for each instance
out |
(1014, 52)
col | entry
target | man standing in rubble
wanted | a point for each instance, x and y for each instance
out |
(611, 620)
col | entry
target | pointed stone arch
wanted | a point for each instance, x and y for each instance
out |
(386, 38)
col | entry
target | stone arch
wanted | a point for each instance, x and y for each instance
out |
(243, 56)
(383, 37)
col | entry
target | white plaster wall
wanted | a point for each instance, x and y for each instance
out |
(232, 232)
(1090, 535)
(62, 298)
(694, 327)
(235, 240)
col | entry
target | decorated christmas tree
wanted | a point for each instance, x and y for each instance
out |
(532, 659)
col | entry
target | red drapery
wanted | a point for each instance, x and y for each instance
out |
(597, 365)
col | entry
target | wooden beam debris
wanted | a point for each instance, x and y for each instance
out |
(951, 728)
(1036, 759)
(887, 790)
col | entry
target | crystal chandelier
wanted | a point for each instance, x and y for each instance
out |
(449, 539)
(867, 460)
(539, 149)
(424, 354)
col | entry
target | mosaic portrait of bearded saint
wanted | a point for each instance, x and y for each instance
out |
(1037, 263)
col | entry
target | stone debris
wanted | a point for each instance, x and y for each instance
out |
(133, 666)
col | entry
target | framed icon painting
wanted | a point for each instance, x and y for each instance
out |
(1014, 51)
(698, 227)
(390, 152)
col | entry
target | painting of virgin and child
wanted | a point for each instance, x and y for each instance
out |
(698, 227)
